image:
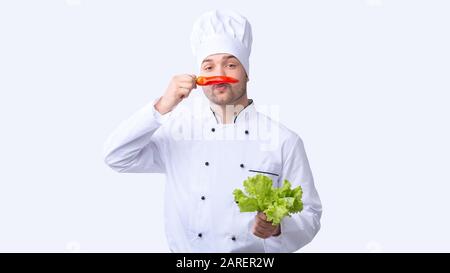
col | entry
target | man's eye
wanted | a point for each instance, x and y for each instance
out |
(232, 65)
(207, 68)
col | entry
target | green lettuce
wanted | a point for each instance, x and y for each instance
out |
(276, 203)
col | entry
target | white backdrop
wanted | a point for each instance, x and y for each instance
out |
(365, 83)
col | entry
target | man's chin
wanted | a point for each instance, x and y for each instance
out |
(222, 100)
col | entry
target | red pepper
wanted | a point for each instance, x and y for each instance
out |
(215, 80)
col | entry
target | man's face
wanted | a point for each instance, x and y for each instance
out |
(224, 65)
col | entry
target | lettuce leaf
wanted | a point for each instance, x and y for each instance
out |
(276, 203)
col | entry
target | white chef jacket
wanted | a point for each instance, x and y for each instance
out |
(204, 161)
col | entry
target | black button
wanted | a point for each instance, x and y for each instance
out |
(246, 132)
(200, 235)
(233, 238)
(213, 129)
(242, 165)
(203, 198)
(207, 163)
(237, 202)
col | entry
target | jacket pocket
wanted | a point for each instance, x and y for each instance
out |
(263, 172)
(270, 170)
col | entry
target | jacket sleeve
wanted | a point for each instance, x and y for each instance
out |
(135, 145)
(299, 229)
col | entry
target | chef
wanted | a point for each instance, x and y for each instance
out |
(207, 153)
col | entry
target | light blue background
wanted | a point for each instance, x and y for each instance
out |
(365, 83)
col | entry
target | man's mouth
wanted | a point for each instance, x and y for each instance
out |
(221, 86)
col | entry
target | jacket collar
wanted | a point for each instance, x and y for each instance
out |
(243, 115)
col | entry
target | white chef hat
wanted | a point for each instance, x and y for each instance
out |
(222, 31)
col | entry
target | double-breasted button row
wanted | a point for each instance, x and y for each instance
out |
(245, 132)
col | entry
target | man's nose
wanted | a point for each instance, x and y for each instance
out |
(220, 71)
